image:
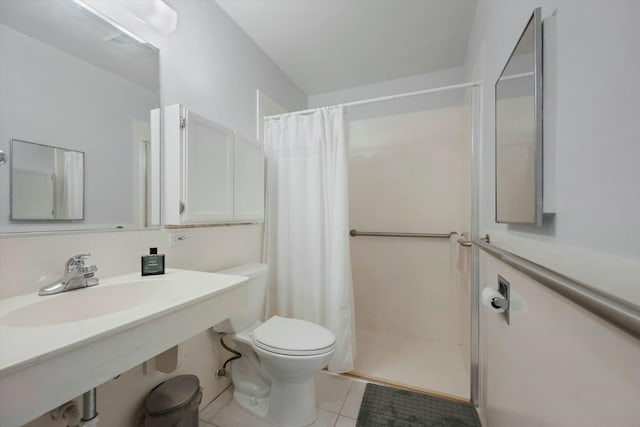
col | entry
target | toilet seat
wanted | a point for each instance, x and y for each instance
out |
(293, 337)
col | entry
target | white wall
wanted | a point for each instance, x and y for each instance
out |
(557, 365)
(591, 106)
(210, 65)
(51, 97)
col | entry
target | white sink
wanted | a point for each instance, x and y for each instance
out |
(54, 348)
(88, 302)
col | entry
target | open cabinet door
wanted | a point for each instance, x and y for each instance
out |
(208, 171)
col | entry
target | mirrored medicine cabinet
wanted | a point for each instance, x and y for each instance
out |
(518, 147)
(79, 121)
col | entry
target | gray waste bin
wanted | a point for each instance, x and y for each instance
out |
(173, 403)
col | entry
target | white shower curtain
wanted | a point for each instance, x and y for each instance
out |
(73, 191)
(307, 243)
(69, 186)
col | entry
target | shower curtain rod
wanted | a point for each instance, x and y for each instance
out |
(379, 99)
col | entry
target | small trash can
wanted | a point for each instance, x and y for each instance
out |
(174, 403)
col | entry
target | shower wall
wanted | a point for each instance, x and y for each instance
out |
(409, 173)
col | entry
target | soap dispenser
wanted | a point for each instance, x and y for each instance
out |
(153, 263)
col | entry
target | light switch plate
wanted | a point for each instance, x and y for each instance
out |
(178, 239)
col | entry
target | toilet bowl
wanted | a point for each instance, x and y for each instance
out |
(274, 378)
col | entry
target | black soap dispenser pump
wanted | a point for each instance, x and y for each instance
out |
(153, 263)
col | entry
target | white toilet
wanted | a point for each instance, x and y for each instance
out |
(280, 357)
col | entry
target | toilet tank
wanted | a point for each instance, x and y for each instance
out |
(257, 288)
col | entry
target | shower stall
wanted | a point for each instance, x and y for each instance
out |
(410, 201)
(412, 210)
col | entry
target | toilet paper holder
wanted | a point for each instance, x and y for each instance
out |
(504, 288)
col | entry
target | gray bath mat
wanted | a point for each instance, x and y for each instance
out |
(391, 407)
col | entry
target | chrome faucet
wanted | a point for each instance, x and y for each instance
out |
(76, 276)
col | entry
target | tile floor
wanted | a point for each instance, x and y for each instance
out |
(338, 401)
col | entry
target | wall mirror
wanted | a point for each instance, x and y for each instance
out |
(79, 116)
(519, 130)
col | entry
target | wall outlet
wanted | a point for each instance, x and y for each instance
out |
(178, 239)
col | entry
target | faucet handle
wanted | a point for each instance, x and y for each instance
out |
(76, 261)
(88, 269)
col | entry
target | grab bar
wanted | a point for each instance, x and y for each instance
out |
(614, 310)
(461, 241)
(464, 242)
(355, 233)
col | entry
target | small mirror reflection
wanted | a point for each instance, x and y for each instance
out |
(47, 183)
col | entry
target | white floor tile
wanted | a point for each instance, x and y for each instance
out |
(232, 415)
(429, 365)
(217, 404)
(325, 419)
(334, 394)
(346, 422)
(331, 391)
(351, 406)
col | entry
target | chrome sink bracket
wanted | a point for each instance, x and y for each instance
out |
(89, 406)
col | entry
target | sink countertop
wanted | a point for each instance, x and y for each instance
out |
(25, 341)
(54, 348)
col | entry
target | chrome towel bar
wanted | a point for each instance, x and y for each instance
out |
(614, 310)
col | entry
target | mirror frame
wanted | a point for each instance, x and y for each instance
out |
(536, 22)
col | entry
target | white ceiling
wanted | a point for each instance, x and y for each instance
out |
(327, 45)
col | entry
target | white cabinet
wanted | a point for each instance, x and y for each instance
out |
(212, 174)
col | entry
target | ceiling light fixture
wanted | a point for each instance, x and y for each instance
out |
(154, 13)
(86, 7)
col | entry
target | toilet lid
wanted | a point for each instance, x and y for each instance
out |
(293, 337)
